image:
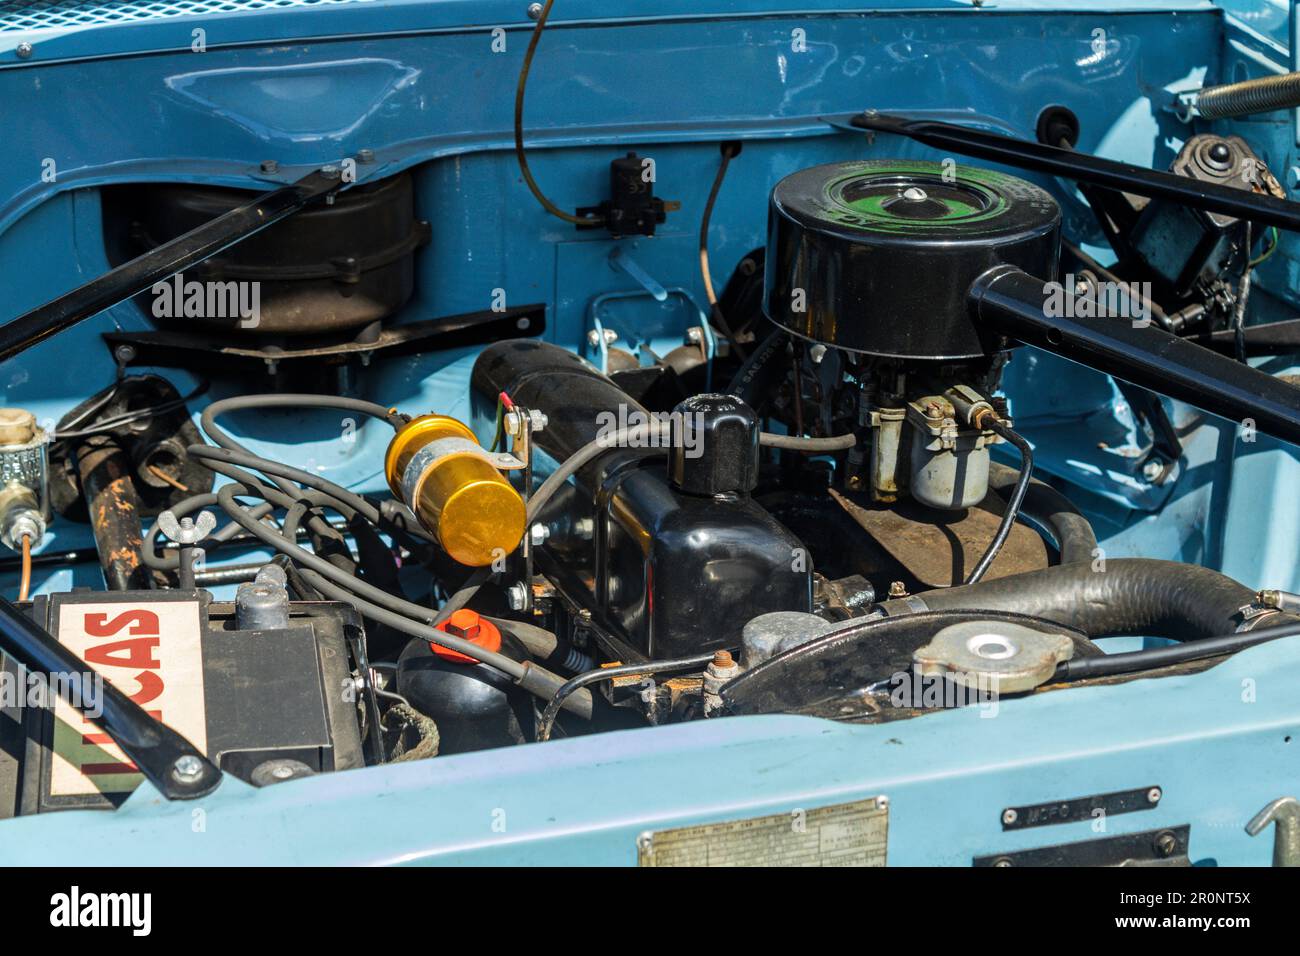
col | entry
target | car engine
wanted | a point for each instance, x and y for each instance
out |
(296, 511)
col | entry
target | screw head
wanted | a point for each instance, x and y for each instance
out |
(1153, 469)
(330, 172)
(1166, 844)
(534, 11)
(187, 769)
(24, 50)
(1154, 795)
(1009, 816)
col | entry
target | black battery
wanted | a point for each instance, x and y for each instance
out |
(265, 705)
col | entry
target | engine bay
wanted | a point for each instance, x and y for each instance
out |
(326, 462)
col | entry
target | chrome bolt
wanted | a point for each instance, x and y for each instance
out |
(1009, 817)
(1154, 795)
(538, 534)
(517, 597)
(187, 769)
(330, 172)
(817, 353)
(534, 11)
(365, 156)
(24, 50)
(694, 335)
(1153, 469)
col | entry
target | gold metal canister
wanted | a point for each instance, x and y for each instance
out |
(455, 492)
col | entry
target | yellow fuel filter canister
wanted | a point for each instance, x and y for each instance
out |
(436, 467)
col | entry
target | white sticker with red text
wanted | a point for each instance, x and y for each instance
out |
(151, 652)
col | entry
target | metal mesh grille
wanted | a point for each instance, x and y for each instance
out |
(64, 14)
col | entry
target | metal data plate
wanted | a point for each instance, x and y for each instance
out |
(847, 834)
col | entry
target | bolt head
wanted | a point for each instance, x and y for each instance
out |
(593, 338)
(538, 534)
(365, 156)
(24, 50)
(270, 166)
(534, 11)
(1153, 469)
(1154, 795)
(1009, 816)
(456, 630)
(187, 769)
(817, 353)
(517, 597)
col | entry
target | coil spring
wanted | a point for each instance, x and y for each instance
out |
(1261, 95)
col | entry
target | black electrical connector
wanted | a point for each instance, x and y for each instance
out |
(633, 209)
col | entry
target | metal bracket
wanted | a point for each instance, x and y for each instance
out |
(1086, 168)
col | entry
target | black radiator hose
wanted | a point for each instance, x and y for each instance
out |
(1047, 507)
(1132, 596)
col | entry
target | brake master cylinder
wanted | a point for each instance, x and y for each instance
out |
(24, 489)
(436, 467)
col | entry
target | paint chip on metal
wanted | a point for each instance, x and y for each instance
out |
(846, 834)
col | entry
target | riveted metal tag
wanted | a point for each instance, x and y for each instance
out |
(846, 834)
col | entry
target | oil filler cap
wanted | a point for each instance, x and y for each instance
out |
(469, 626)
(714, 446)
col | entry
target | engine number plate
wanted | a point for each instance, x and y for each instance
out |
(846, 834)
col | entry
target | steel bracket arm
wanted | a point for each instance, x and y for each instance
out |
(1085, 168)
(1009, 302)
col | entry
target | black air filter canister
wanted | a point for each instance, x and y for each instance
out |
(877, 256)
